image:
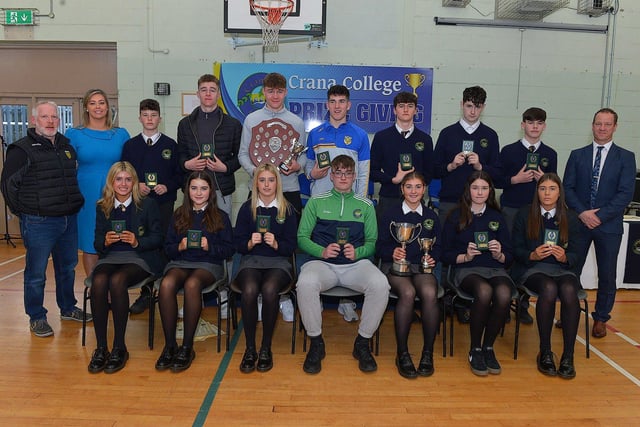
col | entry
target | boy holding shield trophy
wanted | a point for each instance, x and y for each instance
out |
(275, 135)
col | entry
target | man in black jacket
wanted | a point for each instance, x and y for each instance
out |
(40, 186)
(209, 139)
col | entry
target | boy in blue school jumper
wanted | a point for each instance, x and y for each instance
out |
(518, 179)
(463, 147)
(154, 155)
(394, 142)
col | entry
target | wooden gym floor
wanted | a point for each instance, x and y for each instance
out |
(44, 381)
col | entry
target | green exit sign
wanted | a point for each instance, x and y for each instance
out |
(18, 17)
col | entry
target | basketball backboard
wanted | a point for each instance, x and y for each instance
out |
(308, 17)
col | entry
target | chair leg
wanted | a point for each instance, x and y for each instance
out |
(293, 326)
(517, 336)
(84, 316)
(444, 328)
(230, 296)
(304, 334)
(586, 327)
(219, 320)
(152, 317)
(453, 301)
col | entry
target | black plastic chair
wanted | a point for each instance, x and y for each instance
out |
(289, 291)
(457, 293)
(440, 297)
(582, 297)
(148, 282)
(218, 286)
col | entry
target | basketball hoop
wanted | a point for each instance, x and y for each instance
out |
(271, 15)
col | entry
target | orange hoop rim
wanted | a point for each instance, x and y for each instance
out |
(289, 5)
(275, 14)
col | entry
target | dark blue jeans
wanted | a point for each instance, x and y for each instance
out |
(44, 236)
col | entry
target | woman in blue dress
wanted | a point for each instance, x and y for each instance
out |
(98, 145)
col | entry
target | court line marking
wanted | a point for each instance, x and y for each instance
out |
(610, 361)
(8, 276)
(203, 412)
(9, 261)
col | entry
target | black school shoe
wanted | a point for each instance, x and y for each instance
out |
(98, 360)
(265, 360)
(362, 353)
(141, 304)
(182, 360)
(313, 361)
(566, 370)
(116, 361)
(166, 359)
(405, 365)
(248, 363)
(425, 367)
(546, 364)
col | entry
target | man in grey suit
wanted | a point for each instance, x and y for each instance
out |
(599, 180)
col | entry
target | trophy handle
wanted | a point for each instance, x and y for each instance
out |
(391, 224)
(419, 228)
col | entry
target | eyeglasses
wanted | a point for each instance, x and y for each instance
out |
(342, 174)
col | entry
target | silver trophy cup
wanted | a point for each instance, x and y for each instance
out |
(296, 150)
(426, 243)
(403, 233)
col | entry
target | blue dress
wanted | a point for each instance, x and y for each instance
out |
(97, 150)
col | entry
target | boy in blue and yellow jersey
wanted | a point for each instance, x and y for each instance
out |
(335, 137)
(338, 229)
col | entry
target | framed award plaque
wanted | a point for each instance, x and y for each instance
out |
(550, 236)
(405, 161)
(481, 240)
(194, 238)
(118, 225)
(263, 223)
(533, 160)
(324, 159)
(151, 179)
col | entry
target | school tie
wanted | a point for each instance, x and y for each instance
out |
(595, 176)
(404, 134)
(547, 215)
(122, 207)
(149, 142)
(532, 148)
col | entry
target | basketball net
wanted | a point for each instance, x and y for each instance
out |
(271, 15)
